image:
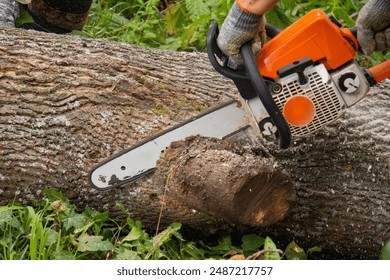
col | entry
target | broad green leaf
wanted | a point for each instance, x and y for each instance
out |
(24, 17)
(52, 237)
(294, 252)
(166, 235)
(126, 254)
(96, 215)
(9, 218)
(93, 243)
(269, 244)
(83, 228)
(385, 254)
(314, 250)
(62, 255)
(143, 247)
(54, 195)
(73, 219)
(224, 246)
(138, 224)
(252, 242)
(134, 234)
(5, 218)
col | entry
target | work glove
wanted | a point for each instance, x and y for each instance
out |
(58, 16)
(238, 28)
(373, 26)
(9, 12)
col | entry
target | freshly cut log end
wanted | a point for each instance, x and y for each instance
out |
(226, 181)
(264, 200)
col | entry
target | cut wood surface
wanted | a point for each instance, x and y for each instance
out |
(68, 103)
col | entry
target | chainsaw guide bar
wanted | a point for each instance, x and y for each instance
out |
(129, 165)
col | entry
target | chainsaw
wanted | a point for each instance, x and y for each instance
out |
(304, 78)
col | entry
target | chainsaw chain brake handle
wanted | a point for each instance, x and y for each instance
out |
(249, 81)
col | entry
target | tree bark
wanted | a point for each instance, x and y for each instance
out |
(70, 103)
(67, 103)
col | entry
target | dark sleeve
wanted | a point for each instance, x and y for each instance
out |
(59, 16)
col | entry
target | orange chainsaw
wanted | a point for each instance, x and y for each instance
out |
(304, 78)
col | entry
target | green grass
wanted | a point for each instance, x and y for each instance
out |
(174, 25)
(54, 229)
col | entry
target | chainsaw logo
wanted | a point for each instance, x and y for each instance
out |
(349, 82)
(267, 127)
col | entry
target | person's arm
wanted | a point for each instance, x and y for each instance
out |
(245, 22)
(373, 26)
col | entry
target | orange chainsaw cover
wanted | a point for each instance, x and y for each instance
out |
(313, 35)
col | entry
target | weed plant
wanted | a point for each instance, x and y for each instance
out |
(182, 25)
(54, 229)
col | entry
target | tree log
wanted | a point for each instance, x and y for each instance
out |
(224, 180)
(67, 103)
(70, 103)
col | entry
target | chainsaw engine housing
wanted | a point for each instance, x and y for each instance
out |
(312, 59)
(330, 93)
(302, 79)
(314, 36)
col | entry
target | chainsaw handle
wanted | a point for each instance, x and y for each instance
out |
(353, 30)
(271, 30)
(380, 71)
(265, 96)
(213, 52)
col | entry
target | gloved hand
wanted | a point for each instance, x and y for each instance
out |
(238, 28)
(58, 16)
(373, 26)
(9, 12)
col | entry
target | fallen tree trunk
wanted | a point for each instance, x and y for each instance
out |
(68, 103)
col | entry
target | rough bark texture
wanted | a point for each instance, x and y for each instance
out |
(67, 103)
